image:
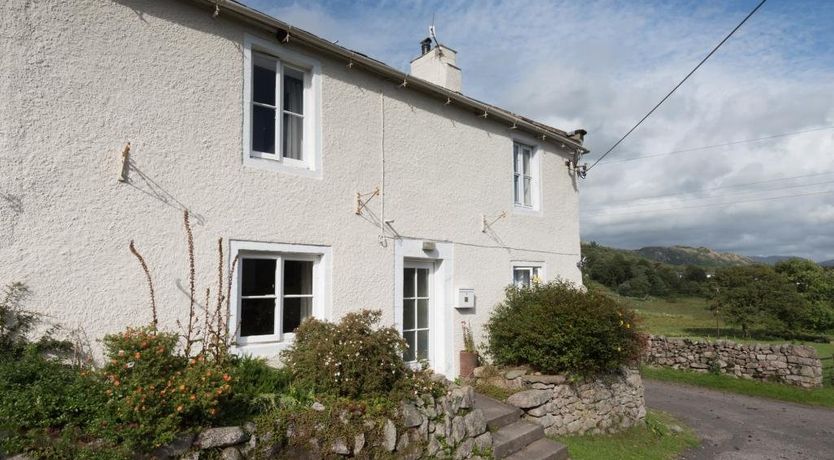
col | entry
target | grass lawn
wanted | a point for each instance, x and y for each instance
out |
(815, 397)
(656, 440)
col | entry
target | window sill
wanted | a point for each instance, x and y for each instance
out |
(527, 211)
(261, 350)
(275, 165)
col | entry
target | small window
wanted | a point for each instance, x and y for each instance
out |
(277, 110)
(524, 183)
(525, 276)
(276, 293)
(281, 112)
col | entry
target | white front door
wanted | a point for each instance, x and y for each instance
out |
(417, 299)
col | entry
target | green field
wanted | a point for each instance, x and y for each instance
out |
(689, 317)
(661, 438)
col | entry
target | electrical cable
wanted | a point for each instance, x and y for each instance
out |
(742, 192)
(714, 205)
(714, 146)
(721, 187)
(678, 85)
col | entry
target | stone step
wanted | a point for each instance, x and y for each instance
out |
(543, 449)
(496, 414)
(515, 437)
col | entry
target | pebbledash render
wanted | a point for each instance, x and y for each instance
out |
(340, 183)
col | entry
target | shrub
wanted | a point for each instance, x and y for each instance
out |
(41, 393)
(153, 392)
(353, 358)
(559, 328)
(257, 386)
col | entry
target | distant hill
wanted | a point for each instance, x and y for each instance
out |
(827, 263)
(685, 255)
(771, 260)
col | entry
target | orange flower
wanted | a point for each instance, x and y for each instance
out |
(212, 411)
(182, 387)
(179, 408)
(193, 397)
(208, 373)
(227, 377)
(137, 355)
(116, 383)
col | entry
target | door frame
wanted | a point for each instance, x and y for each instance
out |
(441, 338)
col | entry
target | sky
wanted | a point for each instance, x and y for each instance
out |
(601, 65)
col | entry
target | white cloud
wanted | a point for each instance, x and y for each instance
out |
(601, 65)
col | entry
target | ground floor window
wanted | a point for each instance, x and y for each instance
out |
(276, 291)
(416, 307)
(525, 275)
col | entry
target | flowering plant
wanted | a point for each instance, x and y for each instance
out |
(468, 340)
(153, 392)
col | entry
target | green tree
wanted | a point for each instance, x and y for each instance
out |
(816, 285)
(757, 297)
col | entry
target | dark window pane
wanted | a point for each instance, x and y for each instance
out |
(263, 85)
(521, 277)
(296, 309)
(298, 277)
(408, 354)
(422, 345)
(408, 282)
(293, 137)
(263, 129)
(422, 313)
(408, 314)
(422, 282)
(257, 317)
(258, 277)
(293, 91)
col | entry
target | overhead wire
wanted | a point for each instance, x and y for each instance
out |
(714, 205)
(678, 85)
(715, 146)
(700, 198)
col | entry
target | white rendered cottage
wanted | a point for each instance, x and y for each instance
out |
(275, 140)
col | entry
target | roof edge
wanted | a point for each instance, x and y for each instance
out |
(268, 22)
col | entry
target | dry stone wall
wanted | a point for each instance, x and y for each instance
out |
(428, 427)
(791, 364)
(606, 404)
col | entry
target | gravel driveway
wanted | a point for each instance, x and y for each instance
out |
(741, 427)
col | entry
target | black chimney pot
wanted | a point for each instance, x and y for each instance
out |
(425, 45)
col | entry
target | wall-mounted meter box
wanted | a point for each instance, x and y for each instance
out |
(466, 298)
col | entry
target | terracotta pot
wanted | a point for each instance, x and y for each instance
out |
(468, 363)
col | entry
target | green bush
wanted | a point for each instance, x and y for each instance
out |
(154, 393)
(41, 393)
(559, 328)
(353, 358)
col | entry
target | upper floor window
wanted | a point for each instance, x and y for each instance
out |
(281, 92)
(525, 180)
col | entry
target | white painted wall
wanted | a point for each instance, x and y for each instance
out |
(79, 79)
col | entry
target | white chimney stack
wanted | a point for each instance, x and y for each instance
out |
(437, 65)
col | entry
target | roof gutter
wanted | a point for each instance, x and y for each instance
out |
(279, 27)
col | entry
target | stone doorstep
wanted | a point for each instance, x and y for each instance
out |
(543, 449)
(516, 438)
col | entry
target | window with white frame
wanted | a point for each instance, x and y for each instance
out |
(524, 176)
(281, 91)
(277, 110)
(275, 291)
(526, 275)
